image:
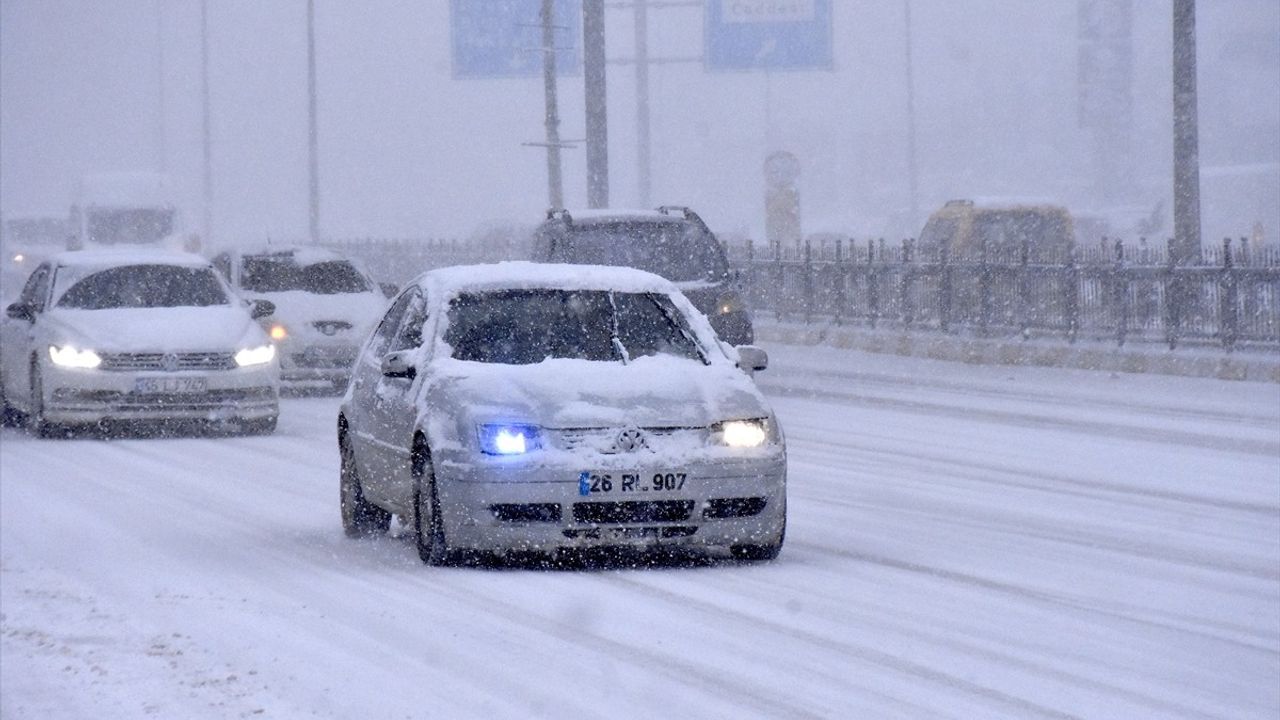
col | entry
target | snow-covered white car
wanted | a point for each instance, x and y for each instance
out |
(135, 335)
(534, 407)
(325, 306)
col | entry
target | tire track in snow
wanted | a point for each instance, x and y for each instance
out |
(919, 670)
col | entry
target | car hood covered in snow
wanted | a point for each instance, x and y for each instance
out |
(298, 308)
(564, 393)
(195, 329)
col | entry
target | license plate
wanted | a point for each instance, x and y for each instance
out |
(170, 385)
(590, 483)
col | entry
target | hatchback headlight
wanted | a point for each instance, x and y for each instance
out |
(68, 356)
(729, 303)
(260, 355)
(740, 433)
(278, 332)
(508, 438)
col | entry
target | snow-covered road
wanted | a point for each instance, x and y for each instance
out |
(966, 542)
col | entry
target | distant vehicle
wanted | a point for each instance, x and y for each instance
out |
(101, 336)
(126, 208)
(1000, 228)
(529, 407)
(325, 306)
(671, 241)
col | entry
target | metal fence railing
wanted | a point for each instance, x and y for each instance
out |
(1229, 296)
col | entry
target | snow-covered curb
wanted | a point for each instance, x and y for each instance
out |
(1190, 362)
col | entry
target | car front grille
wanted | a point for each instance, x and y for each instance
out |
(208, 400)
(121, 362)
(327, 358)
(526, 512)
(635, 511)
(605, 440)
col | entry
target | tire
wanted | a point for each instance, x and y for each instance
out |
(360, 518)
(35, 418)
(761, 553)
(9, 415)
(428, 526)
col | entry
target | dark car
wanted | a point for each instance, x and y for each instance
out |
(672, 242)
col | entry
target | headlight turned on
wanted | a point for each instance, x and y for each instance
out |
(728, 303)
(740, 433)
(508, 439)
(255, 356)
(69, 357)
(278, 332)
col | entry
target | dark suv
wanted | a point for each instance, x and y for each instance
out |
(671, 241)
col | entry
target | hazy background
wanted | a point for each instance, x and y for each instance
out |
(405, 150)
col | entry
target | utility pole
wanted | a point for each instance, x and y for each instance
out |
(162, 152)
(1186, 142)
(912, 179)
(643, 178)
(597, 122)
(313, 145)
(555, 190)
(207, 144)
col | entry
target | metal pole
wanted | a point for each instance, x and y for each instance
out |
(643, 179)
(555, 191)
(596, 105)
(313, 144)
(207, 144)
(1186, 152)
(162, 151)
(912, 180)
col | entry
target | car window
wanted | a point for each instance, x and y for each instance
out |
(36, 289)
(409, 335)
(390, 323)
(281, 273)
(145, 286)
(521, 327)
(678, 251)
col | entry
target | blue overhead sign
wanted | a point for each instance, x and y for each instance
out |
(768, 35)
(502, 38)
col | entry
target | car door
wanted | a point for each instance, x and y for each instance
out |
(365, 377)
(18, 334)
(393, 409)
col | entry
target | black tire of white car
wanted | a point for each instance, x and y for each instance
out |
(35, 419)
(359, 517)
(432, 546)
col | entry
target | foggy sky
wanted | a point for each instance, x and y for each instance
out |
(407, 151)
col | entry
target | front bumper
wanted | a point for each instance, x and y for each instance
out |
(719, 504)
(306, 364)
(92, 396)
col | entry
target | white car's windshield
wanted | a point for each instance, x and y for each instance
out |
(145, 286)
(520, 327)
(281, 273)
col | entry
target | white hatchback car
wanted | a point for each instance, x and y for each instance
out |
(325, 305)
(135, 335)
(532, 407)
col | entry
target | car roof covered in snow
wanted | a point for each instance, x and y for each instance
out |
(130, 256)
(612, 215)
(450, 281)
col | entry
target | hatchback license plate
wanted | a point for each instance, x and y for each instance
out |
(590, 483)
(153, 385)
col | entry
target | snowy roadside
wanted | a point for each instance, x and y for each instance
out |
(1088, 355)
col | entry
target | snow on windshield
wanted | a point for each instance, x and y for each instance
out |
(522, 327)
(143, 286)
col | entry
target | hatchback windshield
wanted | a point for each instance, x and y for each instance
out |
(145, 286)
(280, 273)
(521, 327)
(675, 250)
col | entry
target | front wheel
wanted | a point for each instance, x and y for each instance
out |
(360, 518)
(428, 526)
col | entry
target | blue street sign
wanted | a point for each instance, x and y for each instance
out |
(768, 35)
(501, 38)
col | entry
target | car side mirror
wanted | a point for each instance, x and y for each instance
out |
(388, 289)
(21, 311)
(262, 308)
(398, 364)
(752, 359)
